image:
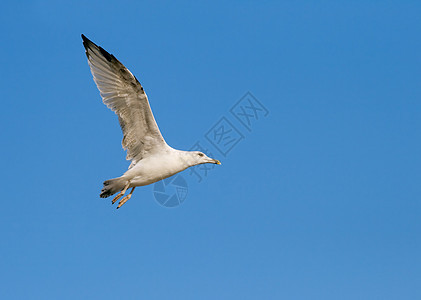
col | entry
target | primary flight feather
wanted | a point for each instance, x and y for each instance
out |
(151, 158)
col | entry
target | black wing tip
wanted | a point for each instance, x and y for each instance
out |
(87, 43)
(107, 55)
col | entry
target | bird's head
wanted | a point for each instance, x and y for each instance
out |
(197, 158)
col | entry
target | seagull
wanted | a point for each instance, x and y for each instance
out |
(151, 158)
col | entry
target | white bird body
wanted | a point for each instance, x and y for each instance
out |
(151, 158)
(156, 167)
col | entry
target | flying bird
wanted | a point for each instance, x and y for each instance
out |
(151, 158)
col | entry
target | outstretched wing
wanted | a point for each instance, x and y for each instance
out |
(124, 95)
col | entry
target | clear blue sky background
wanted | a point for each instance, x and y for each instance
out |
(320, 201)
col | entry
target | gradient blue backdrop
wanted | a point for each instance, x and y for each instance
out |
(320, 201)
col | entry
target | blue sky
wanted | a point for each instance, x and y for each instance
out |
(320, 200)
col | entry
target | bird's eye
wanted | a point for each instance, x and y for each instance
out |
(200, 154)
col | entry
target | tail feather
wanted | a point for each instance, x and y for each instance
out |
(112, 186)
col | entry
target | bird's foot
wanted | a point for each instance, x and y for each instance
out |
(123, 191)
(117, 197)
(124, 200)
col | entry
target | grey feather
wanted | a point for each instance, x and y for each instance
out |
(124, 95)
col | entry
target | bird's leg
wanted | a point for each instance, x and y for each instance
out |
(123, 191)
(124, 200)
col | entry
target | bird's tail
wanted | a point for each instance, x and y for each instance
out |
(112, 186)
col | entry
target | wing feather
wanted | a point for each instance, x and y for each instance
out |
(124, 95)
